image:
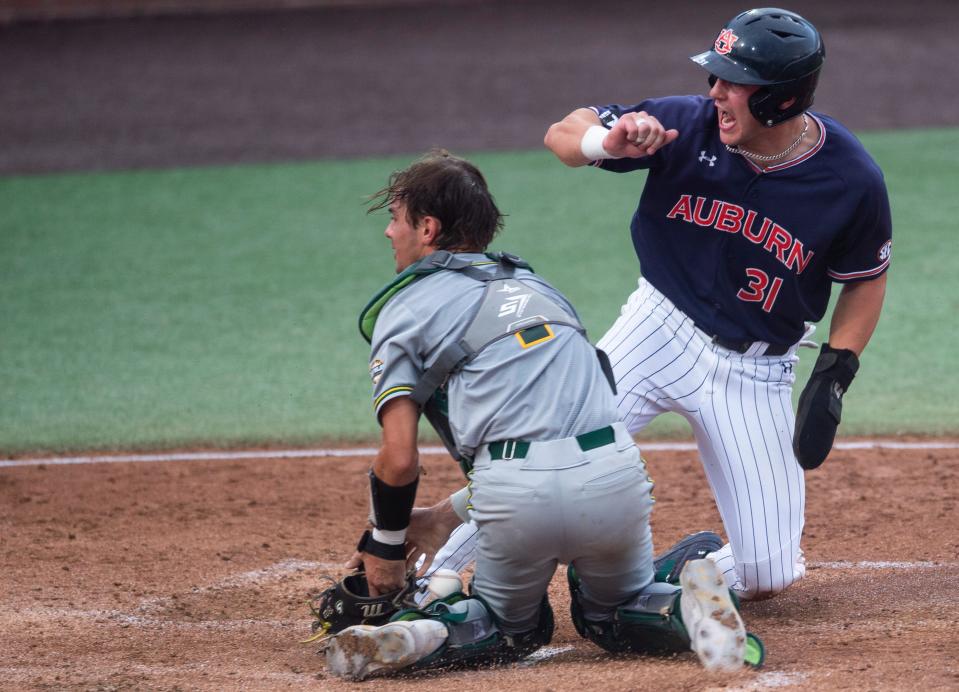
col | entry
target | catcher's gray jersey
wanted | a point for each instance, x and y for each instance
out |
(563, 393)
(556, 496)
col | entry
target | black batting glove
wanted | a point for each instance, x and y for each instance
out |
(820, 405)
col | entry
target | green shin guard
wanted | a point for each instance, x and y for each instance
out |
(649, 624)
(475, 638)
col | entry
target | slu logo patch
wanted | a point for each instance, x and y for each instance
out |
(725, 41)
(376, 370)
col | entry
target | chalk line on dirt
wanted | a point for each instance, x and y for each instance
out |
(273, 572)
(145, 614)
(546, 653)
(883, 564)
(370, 451)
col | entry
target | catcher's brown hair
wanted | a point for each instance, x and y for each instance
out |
(453, 191)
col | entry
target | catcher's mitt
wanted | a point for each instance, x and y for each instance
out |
(347, 603)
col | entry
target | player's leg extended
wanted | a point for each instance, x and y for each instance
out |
(641, 342)
(744, 432)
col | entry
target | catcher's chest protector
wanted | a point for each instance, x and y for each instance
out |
(509, 307)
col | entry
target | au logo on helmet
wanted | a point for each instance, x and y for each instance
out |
(725, 41)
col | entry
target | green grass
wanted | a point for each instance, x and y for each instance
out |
(218, 306)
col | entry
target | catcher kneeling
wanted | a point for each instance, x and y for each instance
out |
(499, 363)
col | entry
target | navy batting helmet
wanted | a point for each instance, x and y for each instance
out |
(776, 49)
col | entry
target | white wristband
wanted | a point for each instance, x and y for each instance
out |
(390, 537)
(592, 144)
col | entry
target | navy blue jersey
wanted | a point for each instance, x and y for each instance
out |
(750, 255)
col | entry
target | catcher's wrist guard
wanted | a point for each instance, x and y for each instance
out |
(391, 505)
(820, 405)
(384, 551)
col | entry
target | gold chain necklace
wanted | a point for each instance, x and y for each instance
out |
(772, 157)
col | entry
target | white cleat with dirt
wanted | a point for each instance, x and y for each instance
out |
(716, 631)
(363, 650)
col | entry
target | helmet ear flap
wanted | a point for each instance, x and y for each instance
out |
(762, 108)
(765, 103)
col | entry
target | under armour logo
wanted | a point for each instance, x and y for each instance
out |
(710, 159)
(787, 368)
(837, 390)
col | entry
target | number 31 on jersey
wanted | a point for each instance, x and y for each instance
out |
(760, 288)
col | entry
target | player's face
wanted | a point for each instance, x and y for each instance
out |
(737, 126)
(408, 240)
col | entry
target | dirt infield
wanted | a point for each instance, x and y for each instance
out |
(194, 575)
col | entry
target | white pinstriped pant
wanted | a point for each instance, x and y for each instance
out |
(740, 409)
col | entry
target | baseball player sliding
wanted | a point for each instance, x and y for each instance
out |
(753, 206)
(498, 361)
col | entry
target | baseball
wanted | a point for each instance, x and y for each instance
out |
(444, 582)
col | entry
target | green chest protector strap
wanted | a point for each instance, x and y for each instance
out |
(509, 307)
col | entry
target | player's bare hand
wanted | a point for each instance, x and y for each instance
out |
(355, 561)
(429, 529)
(638, 134)
(383, 576)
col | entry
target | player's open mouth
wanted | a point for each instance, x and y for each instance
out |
(726, 121)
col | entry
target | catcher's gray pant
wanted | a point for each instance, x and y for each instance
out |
(561, 504)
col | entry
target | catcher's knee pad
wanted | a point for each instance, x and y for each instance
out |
(650, 623)
(474, 635)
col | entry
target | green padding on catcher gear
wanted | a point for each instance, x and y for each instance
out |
(460, 651)
(430, 611)
(755, 654)
(654, 628)
(423, 267)
(662, 572)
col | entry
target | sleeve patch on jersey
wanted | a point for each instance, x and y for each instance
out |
(376, 370)
(885, 252)
(534, 335)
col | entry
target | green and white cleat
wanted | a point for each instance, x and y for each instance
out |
(716, 631)
(364, 650)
